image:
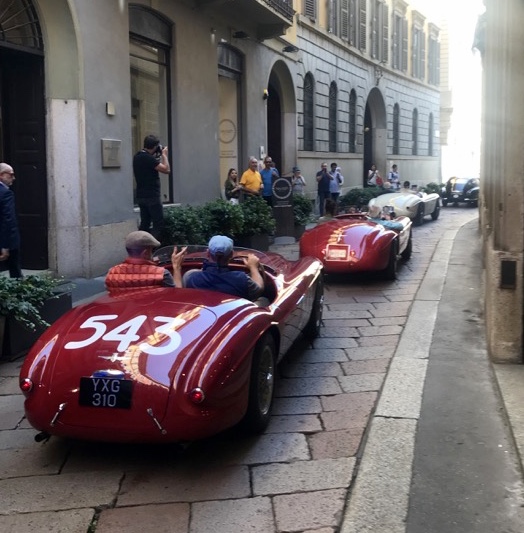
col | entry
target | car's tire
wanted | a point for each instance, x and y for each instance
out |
(419, 217)
(444, 203)
(390, 272)
(406, 253)
(436, 212)
(312, 329)
(261, 386)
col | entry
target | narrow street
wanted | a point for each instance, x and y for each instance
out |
(341, 454)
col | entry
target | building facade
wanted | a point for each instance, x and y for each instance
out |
(501, 43)
(82, 83)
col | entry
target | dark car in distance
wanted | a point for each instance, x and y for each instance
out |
(461, 190)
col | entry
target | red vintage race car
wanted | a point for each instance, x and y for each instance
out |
(170, 364)
(352, 243)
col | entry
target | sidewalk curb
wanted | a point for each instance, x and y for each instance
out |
(385, 470)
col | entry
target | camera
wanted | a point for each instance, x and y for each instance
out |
(158, 150)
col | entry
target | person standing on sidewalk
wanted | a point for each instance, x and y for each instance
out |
(251, 180)
(323, 179)
(268, 174)
(147, 163)
(336, 181)
(9, 232)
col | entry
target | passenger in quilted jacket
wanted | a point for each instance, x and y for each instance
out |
(139, 270)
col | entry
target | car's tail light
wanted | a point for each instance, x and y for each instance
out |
(26, 385)
(197, 395)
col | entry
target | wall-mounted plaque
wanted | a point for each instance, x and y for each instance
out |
(111, 153)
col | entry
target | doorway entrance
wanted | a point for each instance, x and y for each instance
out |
(22, 145)
(375, 134)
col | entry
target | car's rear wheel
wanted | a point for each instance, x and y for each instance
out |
(419, 217)
(312, 329)
(390, 272)
(444, 203)
(406, 253)
(261, 385)
(436, 212)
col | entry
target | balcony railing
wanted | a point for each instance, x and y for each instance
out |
(284, 7)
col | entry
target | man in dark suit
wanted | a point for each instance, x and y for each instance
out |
(9, 234)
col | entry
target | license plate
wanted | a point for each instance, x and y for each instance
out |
(105, 392)
(337, 252)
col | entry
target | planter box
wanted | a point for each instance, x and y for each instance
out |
(17, 340)
(298, 231)
(256, 242)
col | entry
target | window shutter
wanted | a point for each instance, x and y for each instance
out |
(310, 9)
(362, 24)
(437, 61)
(404, 64)
(344, 19)
(332, 17)
(353, 22)
(422, 55)
(374, 31)
(385, 33)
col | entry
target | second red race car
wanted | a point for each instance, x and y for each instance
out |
(353, 243)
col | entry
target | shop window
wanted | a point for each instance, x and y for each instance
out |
(149, 51)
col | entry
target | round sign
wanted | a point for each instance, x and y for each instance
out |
(282, 188)
(227, 131)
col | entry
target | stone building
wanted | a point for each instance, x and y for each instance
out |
(81, 84)
(500, 39)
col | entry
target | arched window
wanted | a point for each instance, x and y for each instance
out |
(352, 121)
(149, 50)
(430, 135)
(309, 112)
(19, 25)
(414, 133)
(333, 95)
(396, 128)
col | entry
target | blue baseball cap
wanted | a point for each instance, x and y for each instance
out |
(220, 244)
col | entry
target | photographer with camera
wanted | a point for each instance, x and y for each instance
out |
(147, 163)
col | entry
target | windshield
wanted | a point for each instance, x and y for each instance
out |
(199, 253)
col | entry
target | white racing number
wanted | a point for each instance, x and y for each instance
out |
(126, 333)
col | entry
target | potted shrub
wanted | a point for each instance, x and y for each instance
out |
(27, 307)
(221, 217)
(360, 197)
(302, 213)
(258, 223)
(183, 225)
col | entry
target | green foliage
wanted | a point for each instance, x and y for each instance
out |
(184, 225)
(302, 209)
(221, 217)
(21, 298)
(360, 197)
(258, 217)
(432, 187)
(197, 224)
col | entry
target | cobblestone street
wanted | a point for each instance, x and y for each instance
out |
(299, 476)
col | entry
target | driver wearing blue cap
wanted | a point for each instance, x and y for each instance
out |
(216, 276)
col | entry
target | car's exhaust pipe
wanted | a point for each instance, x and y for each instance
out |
(39, 437)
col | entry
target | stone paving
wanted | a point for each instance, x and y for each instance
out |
(297, 477)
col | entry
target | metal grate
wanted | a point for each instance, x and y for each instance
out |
(19, 25)
(284, 7)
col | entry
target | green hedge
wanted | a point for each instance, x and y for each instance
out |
(197, 224)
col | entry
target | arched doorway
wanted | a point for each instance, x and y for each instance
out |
(22, 126)
(375, 134)
(281, 118)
